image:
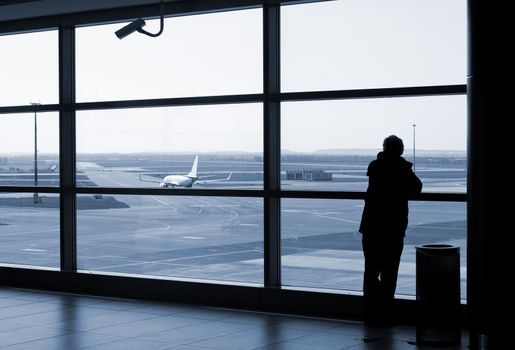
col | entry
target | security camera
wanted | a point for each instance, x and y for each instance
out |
(135, 26)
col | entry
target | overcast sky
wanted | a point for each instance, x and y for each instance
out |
(343, 44)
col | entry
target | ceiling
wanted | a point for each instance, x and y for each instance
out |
(12, 2)
(22, 9)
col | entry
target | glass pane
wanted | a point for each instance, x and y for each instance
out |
(191, 237)
(144, 147)
(17, 151)
(209, 54)
(29, 68)
(355, 44)
(327, 145)
(321, 246)
(29, 229)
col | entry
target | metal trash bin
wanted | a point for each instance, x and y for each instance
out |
(438, 294)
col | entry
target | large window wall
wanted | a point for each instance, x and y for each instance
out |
(233, 148)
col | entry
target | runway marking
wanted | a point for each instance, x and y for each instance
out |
(339, 219)
(159, 201)
(164, 203)
(254, 225)
(152, 231)
(114, 181)
(193, 237)
(214, 205)
(438, 228)
(178, 259)
(205, 203)
(33, 250)
(29, 232)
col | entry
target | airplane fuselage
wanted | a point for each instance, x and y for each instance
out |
(177, 181)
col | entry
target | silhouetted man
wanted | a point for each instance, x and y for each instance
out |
(391, 181)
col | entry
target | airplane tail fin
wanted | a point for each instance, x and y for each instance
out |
(193, 172)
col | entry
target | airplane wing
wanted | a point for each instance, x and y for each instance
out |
(215, 180)
(152, 181)
(205, 176)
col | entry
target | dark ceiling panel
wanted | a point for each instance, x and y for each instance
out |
(15, 2)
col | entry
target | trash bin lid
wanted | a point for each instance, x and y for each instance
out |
(438, 249)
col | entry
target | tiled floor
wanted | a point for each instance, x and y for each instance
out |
(42, 320)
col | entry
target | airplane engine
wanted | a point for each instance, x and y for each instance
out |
(163, 185)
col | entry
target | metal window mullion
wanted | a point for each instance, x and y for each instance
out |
(171, 102)
(29, 109)
(415, 91)
(410, 91)
(483, 127)
(272, 132)
(67, 148)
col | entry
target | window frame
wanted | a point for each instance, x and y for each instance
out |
(271, 98)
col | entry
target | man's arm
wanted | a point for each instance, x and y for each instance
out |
(414, 183)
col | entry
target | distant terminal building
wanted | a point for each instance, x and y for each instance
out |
(309, 175)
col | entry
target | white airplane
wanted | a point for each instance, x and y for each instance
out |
(174, 181)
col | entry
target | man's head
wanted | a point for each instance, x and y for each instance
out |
(393, 145)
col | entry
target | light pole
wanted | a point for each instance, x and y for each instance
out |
(414, 161)
(36, 196)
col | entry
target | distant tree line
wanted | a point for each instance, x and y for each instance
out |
(360, 159)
